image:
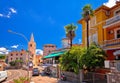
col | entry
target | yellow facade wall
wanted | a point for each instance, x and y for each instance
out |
(100, 16)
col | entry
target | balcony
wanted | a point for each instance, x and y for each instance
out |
(112, 21)
(111, 44)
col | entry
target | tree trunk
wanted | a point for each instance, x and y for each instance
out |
(87, 21)
(70, 39)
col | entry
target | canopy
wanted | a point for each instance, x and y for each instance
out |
(55, 54)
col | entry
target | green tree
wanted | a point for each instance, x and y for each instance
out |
(93, 57)
(2, 56)
(79, 58)
(18, 63)
(70, 32)
(12, 63)
(71, 60)
(87, 12)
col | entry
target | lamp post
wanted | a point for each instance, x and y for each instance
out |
(20, 34)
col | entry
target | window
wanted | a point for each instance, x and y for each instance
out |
(93, 21)
(93, 38)
(11, 54)
(16, 54)
(117, 12)
(20, 58)
(118, 33)
(49, 51)
(30, 45)
(16, 58)
(21, 54)
(11, 58)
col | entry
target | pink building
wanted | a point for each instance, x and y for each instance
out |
(48, 48)
(18, 55)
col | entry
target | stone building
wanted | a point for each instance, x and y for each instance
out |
(32, 50)
(24, 55)
(18, 55)
(48, 48)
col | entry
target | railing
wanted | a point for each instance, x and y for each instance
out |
(113, 20)
(92, 77)
(108, 43)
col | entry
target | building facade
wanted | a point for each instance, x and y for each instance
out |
(24, 55)
(65, 42)
(104, 30)
(48, 48)
(39, 59)
(17, 55)
(32, 50)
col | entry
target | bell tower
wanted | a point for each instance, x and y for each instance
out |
(32, 50)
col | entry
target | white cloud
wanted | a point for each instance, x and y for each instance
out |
(79, 40)
(14, 46)
(9, 14)
(110, 3)
(1, 15)
(13, 10)
(39, 51)
(3, 50)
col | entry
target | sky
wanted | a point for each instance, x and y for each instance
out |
(44, 18)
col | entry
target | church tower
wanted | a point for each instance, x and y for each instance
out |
(32, 50)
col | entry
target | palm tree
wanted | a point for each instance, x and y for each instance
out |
(87, 12)
(70, 32)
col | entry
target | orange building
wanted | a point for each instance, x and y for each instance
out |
(104, 30)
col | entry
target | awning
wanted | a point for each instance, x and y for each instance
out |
(55, 54)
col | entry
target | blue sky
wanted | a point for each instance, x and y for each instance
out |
(44, 18)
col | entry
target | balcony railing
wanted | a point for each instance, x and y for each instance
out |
(113, 20)
(110, 43)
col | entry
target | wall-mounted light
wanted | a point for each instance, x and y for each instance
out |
(110, 32)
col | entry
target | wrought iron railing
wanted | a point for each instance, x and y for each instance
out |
(107, 43)
(112, 20)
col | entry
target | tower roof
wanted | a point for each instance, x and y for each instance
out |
(32, 38)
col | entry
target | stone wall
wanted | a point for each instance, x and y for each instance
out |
(72, 77)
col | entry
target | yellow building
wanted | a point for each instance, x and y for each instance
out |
(104, 29)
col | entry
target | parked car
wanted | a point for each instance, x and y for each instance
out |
(3, 76)
(35, 72)
(47, 71)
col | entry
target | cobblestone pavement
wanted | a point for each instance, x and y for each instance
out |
(14, 74)
(46, 79)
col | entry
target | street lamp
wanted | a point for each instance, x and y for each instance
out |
(20, 34)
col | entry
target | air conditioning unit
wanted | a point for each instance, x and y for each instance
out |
(107, 13)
